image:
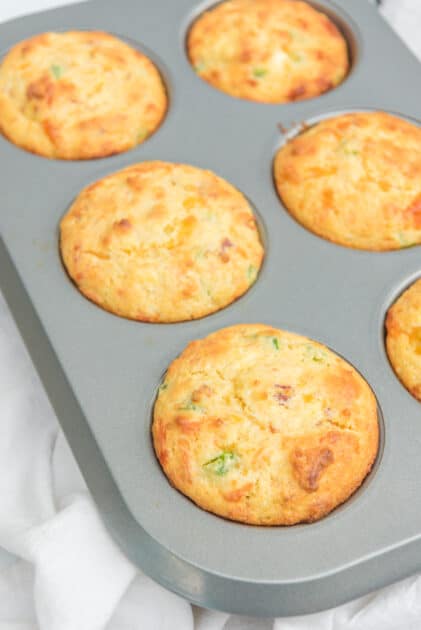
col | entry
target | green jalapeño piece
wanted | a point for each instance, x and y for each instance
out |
(222, 464)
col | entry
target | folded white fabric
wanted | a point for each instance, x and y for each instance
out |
(48, 519)
(70, 575)
(405, 17)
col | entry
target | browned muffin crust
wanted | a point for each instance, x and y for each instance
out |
(79, 95)
(263, 426)
(272, 51)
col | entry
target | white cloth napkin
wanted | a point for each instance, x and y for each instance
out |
(69, 574)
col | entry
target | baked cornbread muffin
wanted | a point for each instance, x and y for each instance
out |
(403, 338)
(79, 95)
(264, 426)
(355, 180)
(273, 51)
(161, 242)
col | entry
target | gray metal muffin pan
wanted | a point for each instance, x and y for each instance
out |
(101, 372)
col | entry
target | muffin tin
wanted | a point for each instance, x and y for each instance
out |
(101, 372)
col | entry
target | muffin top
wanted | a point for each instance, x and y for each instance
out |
(161, 242)
(403, 338)
(355, 180)
(79, 95)
(273, 51)
(264, 426)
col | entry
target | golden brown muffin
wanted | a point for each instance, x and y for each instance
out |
(79, 95)
(355, 180)
(403, 338)
(264, 426)
(273, 51)
(161, 242)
